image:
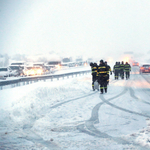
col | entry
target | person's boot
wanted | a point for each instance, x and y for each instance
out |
(101, 91)
(93, 88)
(105, 90)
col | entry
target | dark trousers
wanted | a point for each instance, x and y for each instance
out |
(116, 74)
(122, 74)
(93, 80)
(127, 75)
(108, 80)
(103, 85)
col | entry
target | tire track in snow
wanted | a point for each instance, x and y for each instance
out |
(120, 108)
(59, 104)
(33, 137)
(88, 126)
(132, 94)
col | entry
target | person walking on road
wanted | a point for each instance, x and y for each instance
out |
(102, 76)
(122, 70)
(116, 70)
(127, 69)
(93, 73)
(119, 74)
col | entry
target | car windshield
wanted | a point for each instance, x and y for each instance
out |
(38, 65)
(17, 63)
(14, 67)
(146, 66)
(64, 64)
(3, 69)
(54, 62)
(29, 68)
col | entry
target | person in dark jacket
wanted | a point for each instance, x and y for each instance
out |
(122, 70)
(127, 69)
(93, 73)
(119, 74)
(103, 76)
(116, 70)
(109, 70)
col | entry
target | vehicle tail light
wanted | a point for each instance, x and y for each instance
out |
(142, 68)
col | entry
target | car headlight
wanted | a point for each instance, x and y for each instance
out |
(39, 71)
(32, 72)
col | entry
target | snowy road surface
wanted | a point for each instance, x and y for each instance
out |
(68, 115)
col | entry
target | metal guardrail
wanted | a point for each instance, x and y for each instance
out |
(26, 80)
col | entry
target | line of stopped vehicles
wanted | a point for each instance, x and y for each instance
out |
(144, 68)
(23, 69)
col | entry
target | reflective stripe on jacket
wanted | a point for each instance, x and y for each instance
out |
(127, 67)
(102, 69)
(116, 67)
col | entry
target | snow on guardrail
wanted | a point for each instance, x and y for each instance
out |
(26, 80)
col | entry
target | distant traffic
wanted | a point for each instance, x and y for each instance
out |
(23, 69)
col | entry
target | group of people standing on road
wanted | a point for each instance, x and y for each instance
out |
(100, 73)
(121, 69)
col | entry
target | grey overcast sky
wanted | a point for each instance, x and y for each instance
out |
(74, 27)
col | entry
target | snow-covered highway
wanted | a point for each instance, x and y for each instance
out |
(68, 115)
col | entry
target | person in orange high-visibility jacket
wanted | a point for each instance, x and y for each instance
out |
(102, 76)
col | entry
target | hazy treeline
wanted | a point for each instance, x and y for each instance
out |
(4, 60)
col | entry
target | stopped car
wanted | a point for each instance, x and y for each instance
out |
(33, 70)
(17, 70)
(72, 64)
(64, 65)
(5, 72)
(56, 65)
(48, 70)
(145, 68)
(41, 64)
(135, 64)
